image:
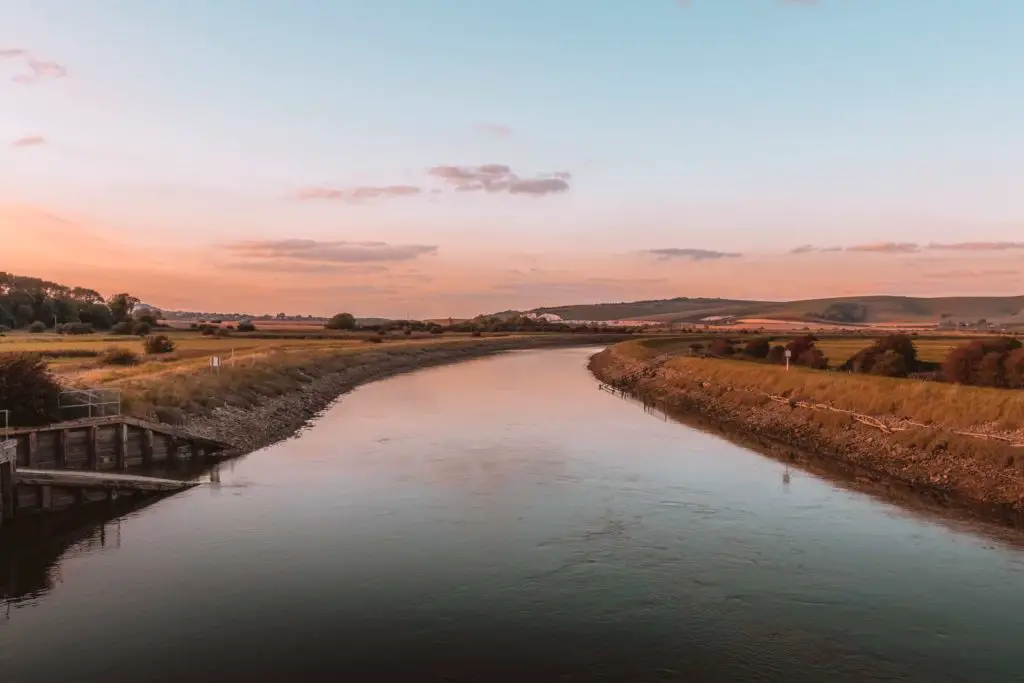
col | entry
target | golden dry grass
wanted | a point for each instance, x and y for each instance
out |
(952, 406)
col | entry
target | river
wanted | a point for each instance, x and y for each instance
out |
(504, 520)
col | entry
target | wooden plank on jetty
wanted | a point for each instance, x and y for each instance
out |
(101, 480)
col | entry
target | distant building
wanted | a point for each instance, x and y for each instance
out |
(546, 317)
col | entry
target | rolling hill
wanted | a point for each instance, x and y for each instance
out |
(857, 309)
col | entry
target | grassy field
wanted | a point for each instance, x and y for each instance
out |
(167, 386)
(952, 406)
(838, 348)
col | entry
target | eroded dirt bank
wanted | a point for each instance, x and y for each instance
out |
(982, 475)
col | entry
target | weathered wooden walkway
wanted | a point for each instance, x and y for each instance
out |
(62, 465)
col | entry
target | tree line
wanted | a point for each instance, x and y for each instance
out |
(37, 304)
(997, 362)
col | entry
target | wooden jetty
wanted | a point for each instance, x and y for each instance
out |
(62, 465)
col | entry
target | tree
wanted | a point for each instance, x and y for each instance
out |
(37, 327)
(158, 343)
(777, 355)
(889, 364)
(721, 347)
(967, 364)
(342, 321)
(801, 345)
(757, 348)
(28, 390)
(121, 306)
(141, 329)
(1013, 366)
(813, 358)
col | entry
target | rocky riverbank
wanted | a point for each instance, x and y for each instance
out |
(280, 417)
(983, 475)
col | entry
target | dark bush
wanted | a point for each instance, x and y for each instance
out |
(75, 328)
(901, 345)
(814, 359)
(721, 347)
(757, 348)
(1013, 366)
(374, 340)
(342, 321)
(28, 390)
(158, 343)
(777, 355)
(37, 327)
(208, 330)
(141, 329)
(223, 332)
(117, 355)
(801, 345)
(888, 364)
(696, 348)
(476, 333)
(436, 330)
(246, 326)
(123, 327)
(408, 332)
(981, 362)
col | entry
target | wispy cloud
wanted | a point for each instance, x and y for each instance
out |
(304, 267)
(494, 178)
(977, 246)
(968, 273)
(38, 69)
(356, 195)
(691, 254)
(29, 141)
(339, 251)
(886, 247)
(494, 129)
(11, 52)
(810, 248)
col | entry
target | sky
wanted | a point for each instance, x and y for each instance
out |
(454, 157)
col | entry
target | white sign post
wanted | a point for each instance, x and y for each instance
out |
(215, 364)
(789, 354)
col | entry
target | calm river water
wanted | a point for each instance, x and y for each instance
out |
(503, 520)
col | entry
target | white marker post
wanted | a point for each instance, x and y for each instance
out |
(215, 364)
(789, 354)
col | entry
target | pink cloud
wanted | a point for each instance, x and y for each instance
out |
(494, 178)
(357, 194)
(40, 70)
(886, 247)
(495, 129)
(29, 141)
(977, 246)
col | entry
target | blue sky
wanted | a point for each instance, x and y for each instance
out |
(729, 126)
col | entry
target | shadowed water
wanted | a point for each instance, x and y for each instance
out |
(501, 520)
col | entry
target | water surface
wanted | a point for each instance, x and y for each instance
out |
(502, 519)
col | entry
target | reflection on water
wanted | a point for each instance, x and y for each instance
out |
(504, 520)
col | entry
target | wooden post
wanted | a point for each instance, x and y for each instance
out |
(62, 449)
(7, 462)
(45, 496)
(147, 447)
(122, 446)
(92, 444)
(172, 449)
(32, 448)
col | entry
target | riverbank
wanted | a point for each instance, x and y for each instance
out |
(308, 386)
(971, 460)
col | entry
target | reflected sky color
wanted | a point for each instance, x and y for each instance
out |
(243, 155)
(502, 519)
